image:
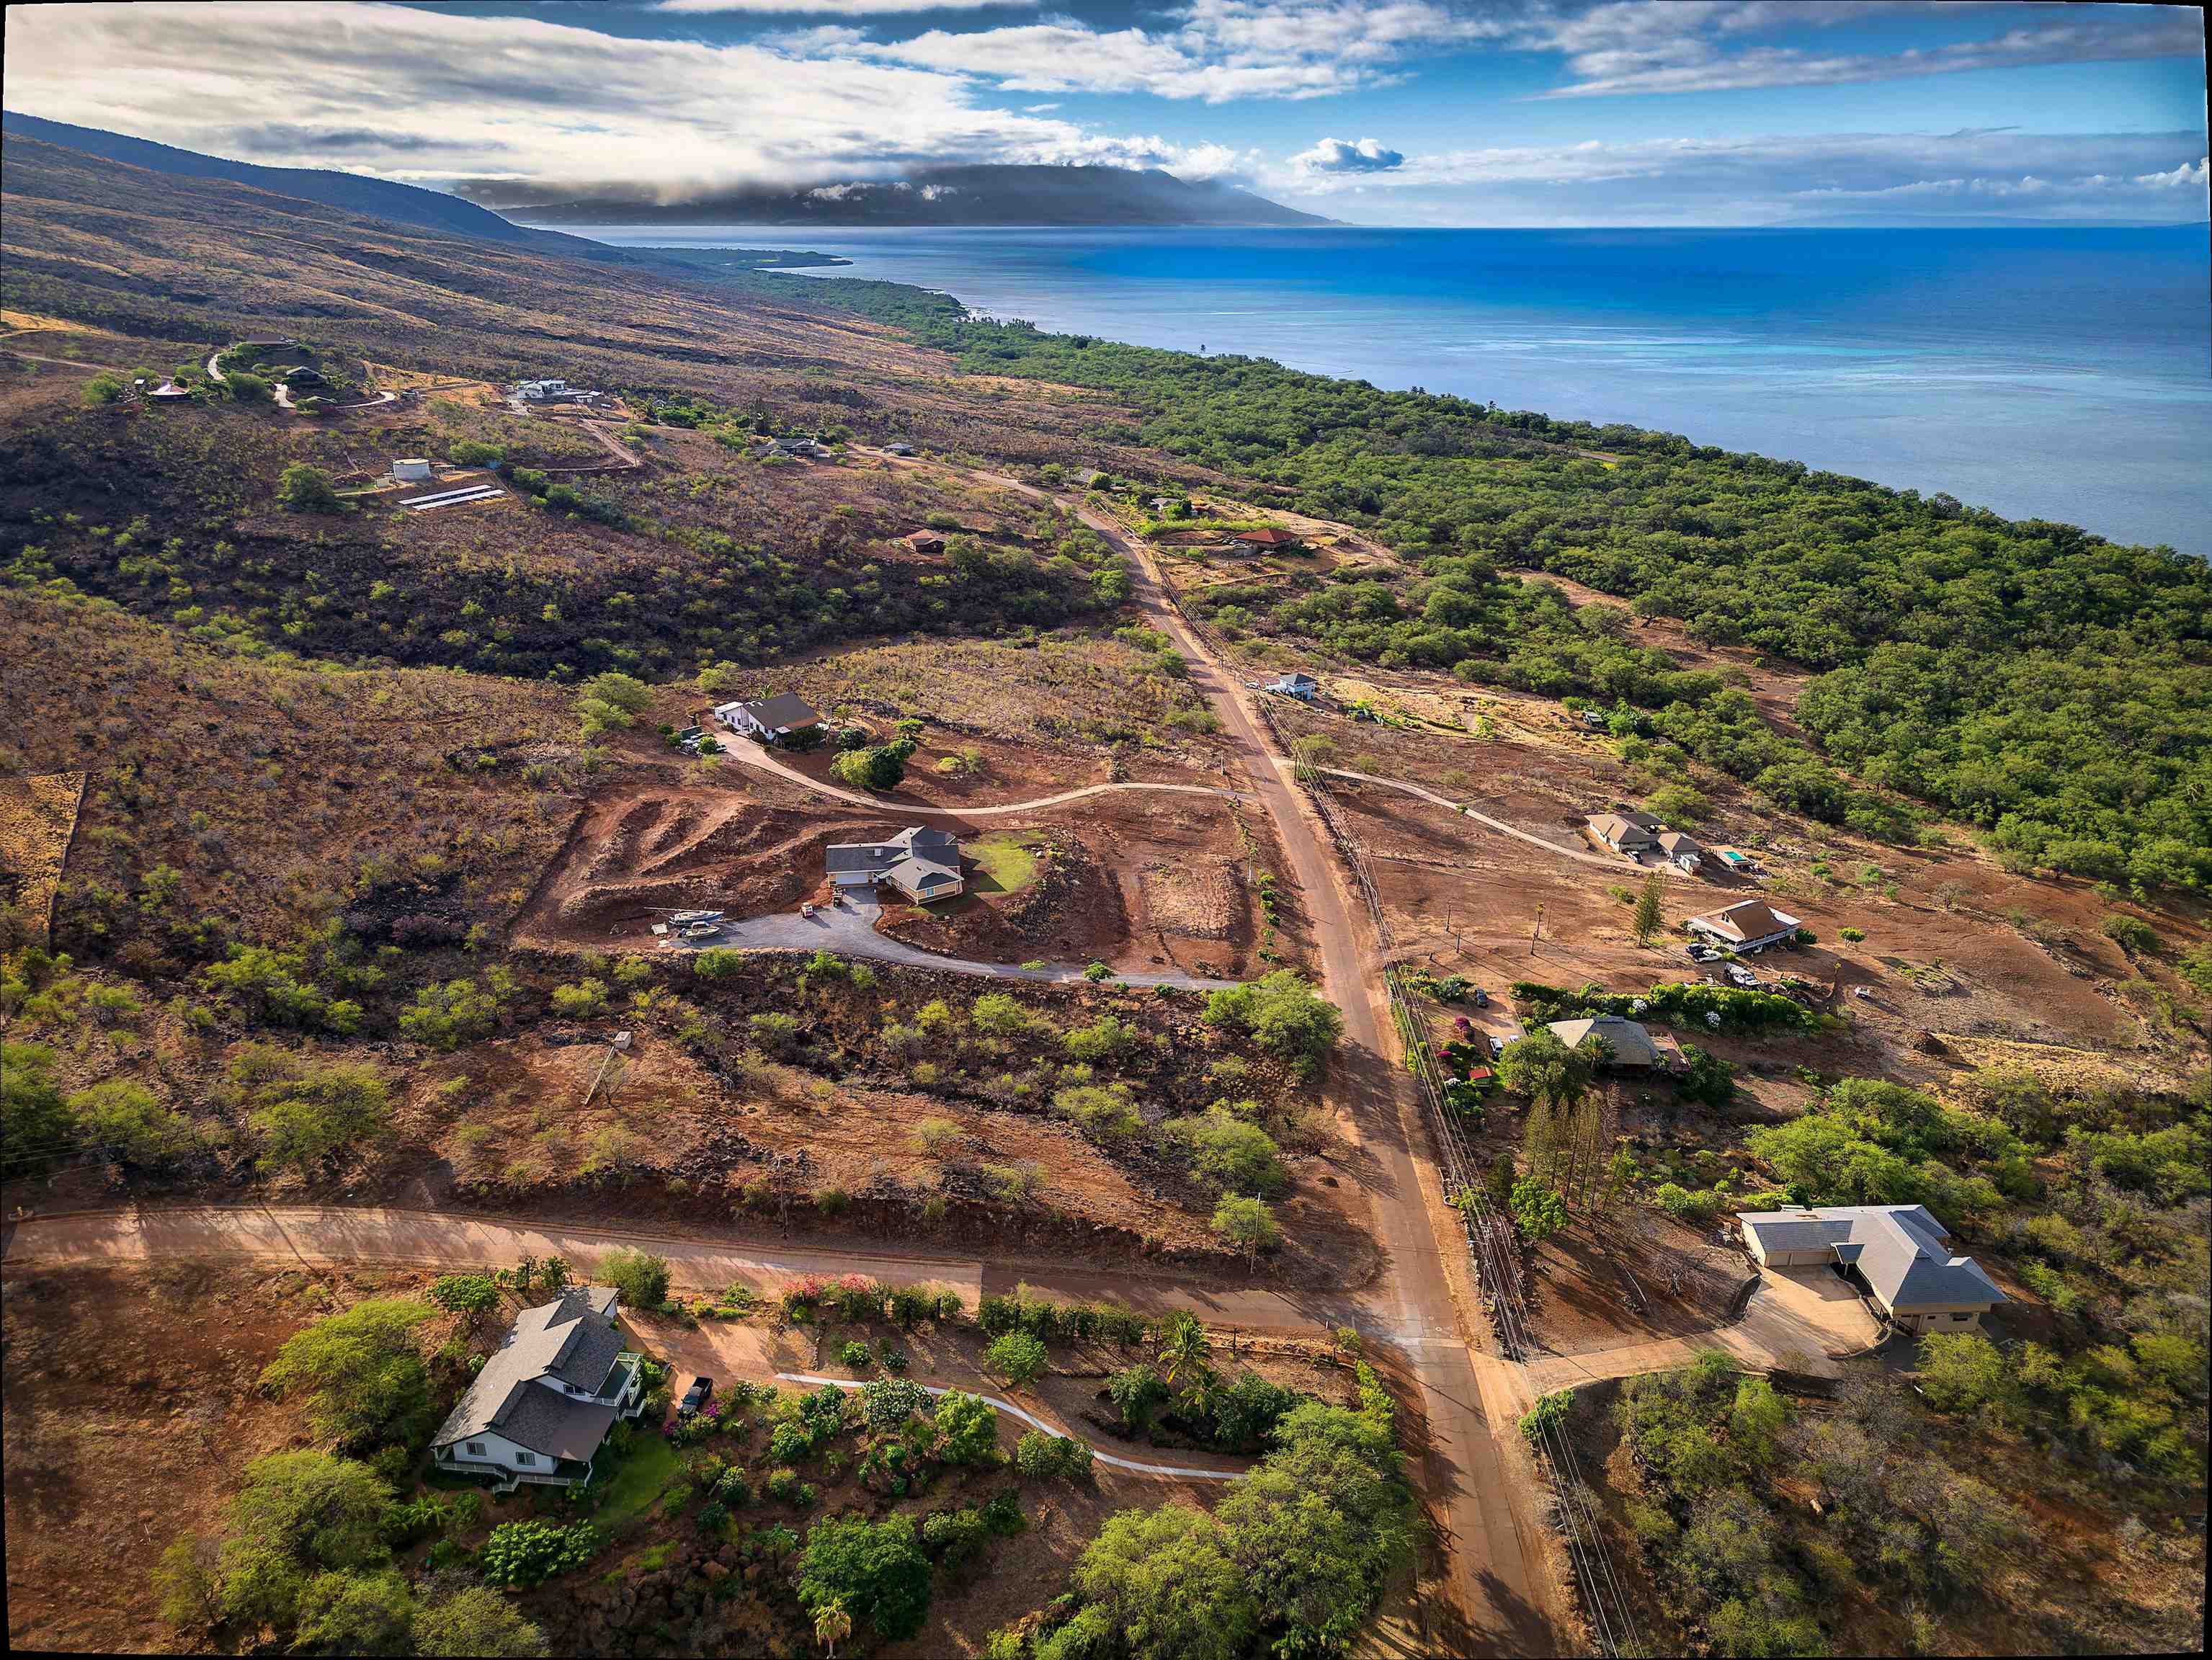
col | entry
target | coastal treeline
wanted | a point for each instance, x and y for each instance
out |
(2030, 677)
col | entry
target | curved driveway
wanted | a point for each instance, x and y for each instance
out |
(850, 928)
(1615, 865)
(748, 752)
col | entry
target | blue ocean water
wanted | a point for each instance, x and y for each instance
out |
(2056, 374)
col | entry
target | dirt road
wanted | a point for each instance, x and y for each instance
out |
(331, 1235)
(1500, 1594)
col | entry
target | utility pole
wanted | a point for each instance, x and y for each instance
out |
(1534, 931)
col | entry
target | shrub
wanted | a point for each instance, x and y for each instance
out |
(530, 1552)
(1040, 1456)
(717, 962)
(888, 1404)
(304, 488)
(1538, 1208)
(640, 1276)
(580, 1001)
(126, 1118)
(476, 1621)
(857, 1357)
(1550, 1410)
(955, 1538)
(1104, 1112)
(1853, 935)
(2130, 933)
(466, 1293)
(1017, 1357)
(967, 1429)
(1247, 1224)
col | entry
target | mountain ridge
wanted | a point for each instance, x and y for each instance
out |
(978, 194)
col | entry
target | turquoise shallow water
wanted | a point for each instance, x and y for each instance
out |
(2057, 373)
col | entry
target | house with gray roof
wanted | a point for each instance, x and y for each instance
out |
(545, 1402)
(771, 720)
(1897, 1254)
(1632, 1044)
(920, 862)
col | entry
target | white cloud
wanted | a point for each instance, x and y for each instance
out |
(1336, 156)
(456, 96)
(836, 7)
(1786, 178)
(1632, 46)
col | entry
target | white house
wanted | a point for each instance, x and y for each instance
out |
(542, 1405)
(1747, 925)
(1303, 687)
(411, 470)
(536, 392)
(923, 864)
(1897, 1253)
(771, 720)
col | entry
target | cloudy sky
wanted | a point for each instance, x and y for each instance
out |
(1391, 111)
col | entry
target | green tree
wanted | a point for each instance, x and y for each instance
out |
(1166, 1579)
(1248, 1224)
(476, 1621)
(127, 1117)
(471, 1294)
(1965, 1372)
(104, 389)
(1137, 1392)
(35, 1124)
(306, 1110)
(967, 1428)
(246, 387)
(1230, 1155)
(305, 489)
(364, 1372)
(1650, 909)
(355, 1614)
(1538, 1208)
(531, 1553)
(1282, 1013)
(640, 1276)
(873, 1571)
(880, 767)
(298, 1513)
(1185, 1349)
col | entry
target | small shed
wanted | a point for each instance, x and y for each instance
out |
(924, 541)
(898, 447)
(411, 470)
(170, 393)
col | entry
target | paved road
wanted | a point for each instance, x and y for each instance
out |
(747, 752)
(1500, 1593)
(850, 929)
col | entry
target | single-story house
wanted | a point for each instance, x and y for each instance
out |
(924, 541)
(1631, 833)
(898, 447)
(1303, 687)
(1267, 539)
(1898, 1253)
(542, 1405)
(1681, 850)
(303, 376)
(408, 470)
(771, 720)
(169, 392)
(536, 392)
(1631, 1044)
(1747, 925)
(922, 863)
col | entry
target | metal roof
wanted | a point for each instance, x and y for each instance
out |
(1900, 1249)
(572, 1340)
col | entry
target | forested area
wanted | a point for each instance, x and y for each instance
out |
(2027, 676)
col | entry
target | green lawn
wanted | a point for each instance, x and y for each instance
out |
(1004, 864)
(639, 1479)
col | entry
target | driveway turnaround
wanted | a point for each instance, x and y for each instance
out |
(849, 929)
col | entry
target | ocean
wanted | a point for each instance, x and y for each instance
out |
(2053, 374)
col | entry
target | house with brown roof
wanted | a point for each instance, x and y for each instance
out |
(1267, 539)
(1747, 925)
(1682, 851)
(924, 541)
(1631, 833)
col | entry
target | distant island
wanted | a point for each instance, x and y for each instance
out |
(978, 195)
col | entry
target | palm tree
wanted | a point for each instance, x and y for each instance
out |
(1184, 1347)
(832, 1626)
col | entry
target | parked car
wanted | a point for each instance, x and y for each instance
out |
(1741, 975)
(1702, 953)
(1497, 1047)
(694, 1397)
(1481, 998)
